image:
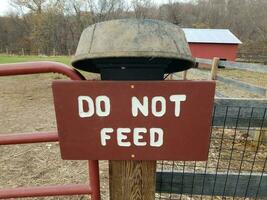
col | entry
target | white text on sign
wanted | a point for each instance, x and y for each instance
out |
(101, 106)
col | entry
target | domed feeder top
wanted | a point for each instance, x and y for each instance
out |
(127, 43)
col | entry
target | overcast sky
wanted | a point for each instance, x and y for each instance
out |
(5, 6)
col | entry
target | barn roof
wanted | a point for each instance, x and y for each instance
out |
(222, 36)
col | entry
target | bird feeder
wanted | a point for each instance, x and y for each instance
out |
(131, 49)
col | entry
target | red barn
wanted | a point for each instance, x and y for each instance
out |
(210, 43)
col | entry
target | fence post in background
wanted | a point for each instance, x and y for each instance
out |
(214, 68)
(185, 75)
(38, 52)
(7, 51)
(22, 52)
(69, 52)
(259, 136)
(54, 52)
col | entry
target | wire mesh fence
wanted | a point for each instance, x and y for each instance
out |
(236, 166)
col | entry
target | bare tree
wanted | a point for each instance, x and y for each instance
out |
(105, 9)
(33, 5)
(143, 8)
(57, 24)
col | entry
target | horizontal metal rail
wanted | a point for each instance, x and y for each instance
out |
(93, 188)
(26, 138)
(39, 68)
(44, 191)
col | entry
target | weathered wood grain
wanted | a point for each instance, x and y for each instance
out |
(132, 180)
(214, 68)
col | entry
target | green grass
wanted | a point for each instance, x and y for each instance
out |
(16, 59)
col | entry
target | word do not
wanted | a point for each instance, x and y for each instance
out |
(158, 106)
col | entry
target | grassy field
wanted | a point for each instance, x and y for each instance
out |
(16, 59)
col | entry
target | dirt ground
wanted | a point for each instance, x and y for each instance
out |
(26, 105)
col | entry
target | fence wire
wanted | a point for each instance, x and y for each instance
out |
(236, 166)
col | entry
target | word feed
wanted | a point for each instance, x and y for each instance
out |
(155, 134)
(140, 136)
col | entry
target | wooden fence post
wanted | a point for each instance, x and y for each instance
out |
(54, 52)
(185, 75)
(214, 68)
(7, 51)
(132, 180)
(259, 135)
(69, 52)
(22, 52)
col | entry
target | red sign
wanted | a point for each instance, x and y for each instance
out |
(134, 120)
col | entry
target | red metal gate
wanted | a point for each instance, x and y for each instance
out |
(93, 188)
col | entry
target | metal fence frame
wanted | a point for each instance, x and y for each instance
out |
(93, 188)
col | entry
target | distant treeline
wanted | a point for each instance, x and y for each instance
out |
(54, 26)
